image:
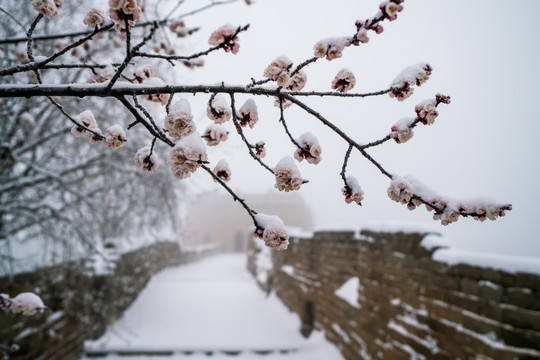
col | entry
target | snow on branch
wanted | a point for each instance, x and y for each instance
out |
(134, 84)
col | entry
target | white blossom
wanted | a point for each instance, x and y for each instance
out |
(272, 230)
(179, 121)
(310, 149)
(222, 170)
(145, 160)
(352, 191)
(187, 156)
(218, 109)
(288, 177)
(344, 81)
(248, 114)
(115, 136)
(214, 134)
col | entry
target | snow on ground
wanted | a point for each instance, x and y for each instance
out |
(212, 305)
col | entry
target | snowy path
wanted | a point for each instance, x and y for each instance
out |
(212, 309)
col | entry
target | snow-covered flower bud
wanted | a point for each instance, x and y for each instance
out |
(95, 18)
(48, 8)
(187, 156)
(146, 160)
(214, 134)
(278, 66)
(272, 230)
(427, 111)
(332, 48)
(400, 190)
(223, 171)
(288, 177)
(115, 136)
(218, 109)
(297, 82)
(27, 303)
(143, 73)
(449, 215)
(179, 121)
(352, 191)
(260, 150)
(248, 114)
(401, 131)
(87, 119)
(225, 35)
(310, 149)
(283, 79)
(412, 75)
(344, 81)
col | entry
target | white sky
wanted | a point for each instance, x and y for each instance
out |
(484, 54)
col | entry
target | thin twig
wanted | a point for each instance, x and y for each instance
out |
(241, 133)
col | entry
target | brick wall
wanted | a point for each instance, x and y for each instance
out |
(81, 304)
(406, 305)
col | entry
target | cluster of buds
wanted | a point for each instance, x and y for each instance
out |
(218, 109)
(179, 28)
(332, 48)
(163, 99)
(426, 112)
(388, 10)
(214, 134)
(352, 191)
(49, 8)
(95, 18)
(179, 121)
(143, 73)
(26, 303)
(223, 171)
(344, 81)
(279, 70)
(402, 131)
(163, 46)
(121, 11)
(187, 156)
(260, 150)
(146, 159)
(115, 136)
(391, 8)
(87, 119)
(225, 37)
(400, 190)
(402, 86)
(309, 149)
(446, 210)
(248, 114)
(288, 177)
(272, 230)
(297, 81)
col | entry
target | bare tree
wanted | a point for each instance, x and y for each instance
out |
(131, 83)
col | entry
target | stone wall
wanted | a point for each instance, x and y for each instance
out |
(81, 303)
(405, 305)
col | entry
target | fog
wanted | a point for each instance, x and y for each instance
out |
(482, 145)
